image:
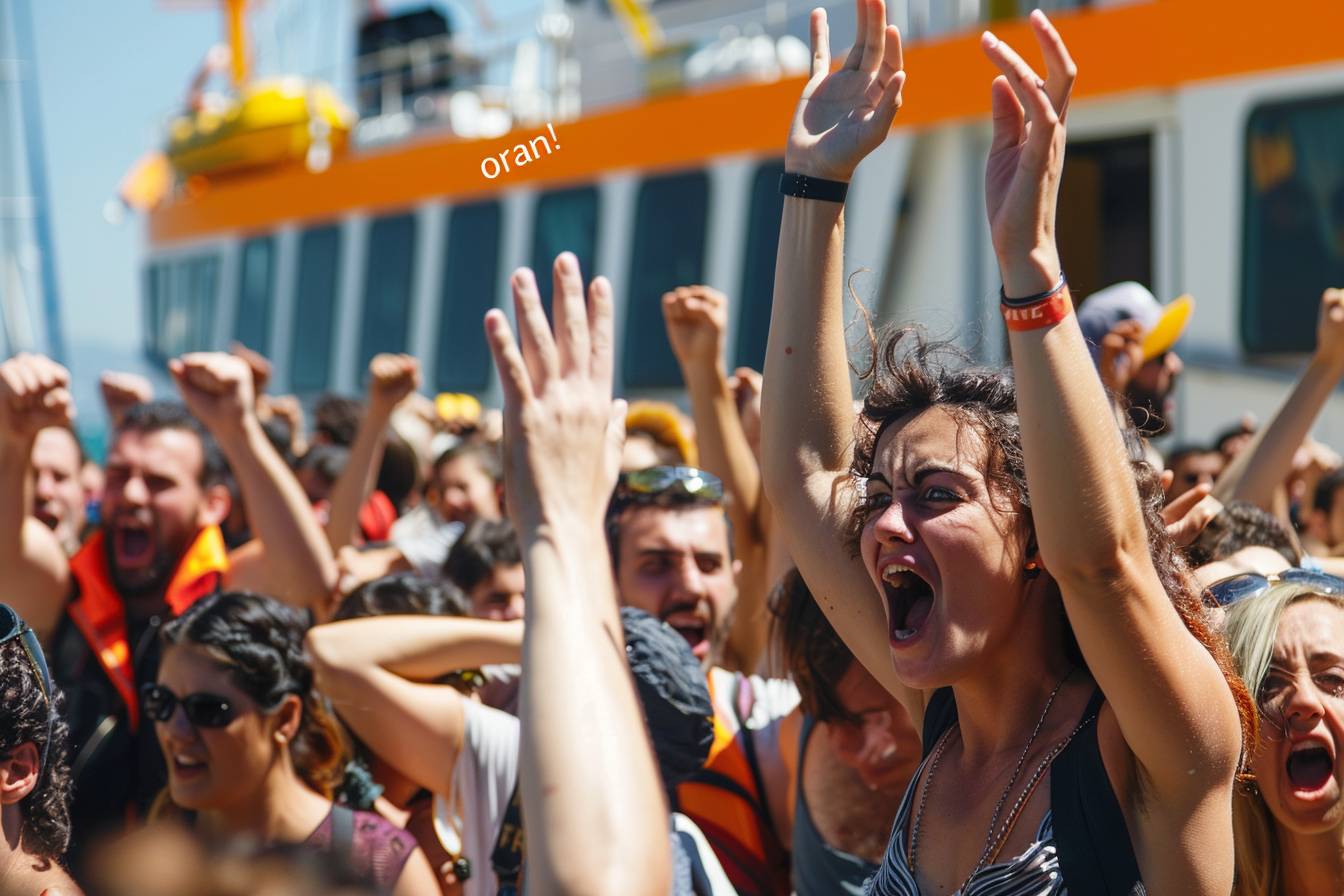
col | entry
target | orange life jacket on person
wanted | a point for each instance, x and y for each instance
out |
(726, 800)
(99, 613)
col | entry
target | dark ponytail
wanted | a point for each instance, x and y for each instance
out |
(260, 642)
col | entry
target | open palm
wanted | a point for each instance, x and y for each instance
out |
(1026, 157)
(843, 115)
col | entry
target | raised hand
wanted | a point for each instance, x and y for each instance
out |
(1330, 327)
(217, 388)
(1121, 355)
(844, 115)
(259, 364)
(391, 378)
(121, 391)
(1026, 158)
(34, 394)
(696, 318)
(560, 424)
(1186, 517)
(745, 384)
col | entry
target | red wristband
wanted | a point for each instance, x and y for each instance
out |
(1040, 314)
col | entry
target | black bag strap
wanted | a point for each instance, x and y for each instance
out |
(342, 835)
(506, 859)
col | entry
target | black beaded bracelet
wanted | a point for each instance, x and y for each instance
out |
(805, 187)
(1032, 300)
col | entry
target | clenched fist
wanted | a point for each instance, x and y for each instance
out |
(34, 394)
(391, 379)
(217, 389)
(697, 319)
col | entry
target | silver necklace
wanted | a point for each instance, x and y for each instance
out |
(1003, 798)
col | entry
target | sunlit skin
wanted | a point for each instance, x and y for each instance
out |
(227, 772)
(931, 509)
(58, 493)
(675, 563)
(462, 492)
(154, 505)
(1302, 701)
(500, 595)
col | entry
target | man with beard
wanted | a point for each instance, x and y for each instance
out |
(159, 550)
(672, 557)
(58, 494)
(1131, 337)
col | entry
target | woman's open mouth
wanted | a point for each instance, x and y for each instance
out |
(1310, 767)
(909, 602)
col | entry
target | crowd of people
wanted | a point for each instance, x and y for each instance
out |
(974, 632)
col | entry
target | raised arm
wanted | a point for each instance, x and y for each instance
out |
(590, 787)
(379, 671)
(391, 378)
(696, 318)
(34, 394)
(807, 413)
(294, 563)
(1262, 466)
(1174, 708)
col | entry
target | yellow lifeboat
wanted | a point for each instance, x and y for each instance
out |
(269, 122)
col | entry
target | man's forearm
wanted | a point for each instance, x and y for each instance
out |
(300, 565)
(418, 648)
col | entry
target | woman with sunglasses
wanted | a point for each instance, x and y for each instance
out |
(251, 750)
(1081, 725)
(1287, 634)
(34, 771)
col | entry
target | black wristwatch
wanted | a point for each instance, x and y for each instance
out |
(805, 187)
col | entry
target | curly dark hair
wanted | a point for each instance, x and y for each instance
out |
(260, 642)
(908, 373)
(814, 655)
(24, 716)
(1240, 524)
(155, 416)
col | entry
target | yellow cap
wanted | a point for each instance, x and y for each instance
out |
(1169, 327)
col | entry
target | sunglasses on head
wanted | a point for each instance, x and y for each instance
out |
(203, 710)
(1246, 585)
(655, 485)
(11, 627)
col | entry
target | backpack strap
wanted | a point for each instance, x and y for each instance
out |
(1096, 855)
(343, 835)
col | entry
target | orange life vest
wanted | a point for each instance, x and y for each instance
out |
(725, 800)
(99, 613)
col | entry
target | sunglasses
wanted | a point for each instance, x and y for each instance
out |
(203, 710)
(1234, 589)
(12, 626)
(655, 485)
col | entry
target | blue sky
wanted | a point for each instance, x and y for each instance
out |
(110, 73)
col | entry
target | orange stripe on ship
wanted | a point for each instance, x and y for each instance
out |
(1155, 45)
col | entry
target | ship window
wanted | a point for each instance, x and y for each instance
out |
(1105, 228)
(256, 289)
(314, 309)
(154, 295)
(669, 251)
(183, 304)
(387, 289)
(758, 266)
(566, 220)
(1293, 229)
(470, 278)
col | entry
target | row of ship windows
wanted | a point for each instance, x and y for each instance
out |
(668, 250)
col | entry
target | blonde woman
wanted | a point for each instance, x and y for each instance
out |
(1288, 639)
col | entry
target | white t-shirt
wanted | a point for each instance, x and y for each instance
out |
(424, 539)
(483, 781)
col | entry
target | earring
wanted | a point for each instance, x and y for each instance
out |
(1031, 569)
(281, 737)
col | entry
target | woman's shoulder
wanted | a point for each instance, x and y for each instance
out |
(379, 832)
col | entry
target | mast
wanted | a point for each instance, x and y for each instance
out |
(29, 305)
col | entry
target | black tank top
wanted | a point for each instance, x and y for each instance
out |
(1096, 857)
